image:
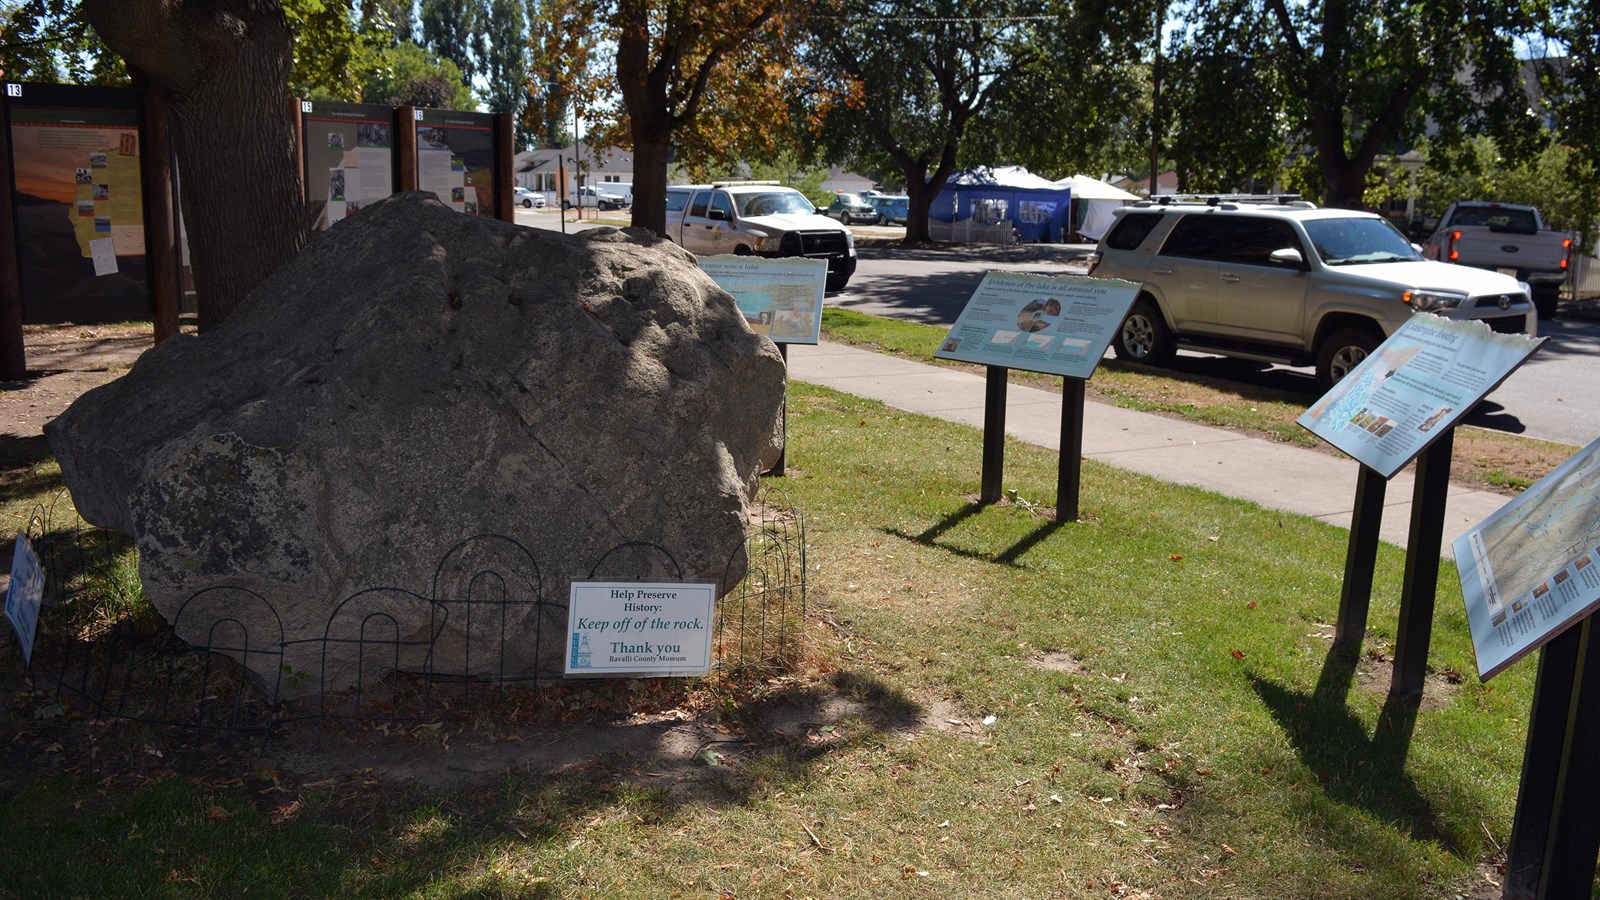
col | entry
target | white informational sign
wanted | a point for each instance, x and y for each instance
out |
(104, 252)
(627, 628)
(1038, 323)
(780, 298)
(25, 595)
(1532, 569)
(1414, 387)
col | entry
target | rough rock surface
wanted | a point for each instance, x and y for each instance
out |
(416, 378)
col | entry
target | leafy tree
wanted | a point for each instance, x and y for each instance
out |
(408, 75)
(1482, 173)
(1079, 100)
(1572, 82)
(916, 74)
(1225, 111)
(333, 55)
(671, 59)
(453, 30)
(1359, 77)
(559, 40)
(223, 68)
(391, 19)
(50, 41)
(506, 64)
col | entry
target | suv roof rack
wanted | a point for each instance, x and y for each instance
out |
(718, 184)
(1229, 200)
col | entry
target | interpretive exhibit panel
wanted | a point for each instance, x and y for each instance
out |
(1039, 323)
(349, 153)
(1413, 387)
(780, 298)
(1533, 568)
(77, 188)
(626, 628)
(455, 159)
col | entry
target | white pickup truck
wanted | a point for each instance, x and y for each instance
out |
(758, 218)
(1506, 238)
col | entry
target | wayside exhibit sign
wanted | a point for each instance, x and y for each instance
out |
(781, 299)
(1413, 387)
(1038, 323)
(1532, 568)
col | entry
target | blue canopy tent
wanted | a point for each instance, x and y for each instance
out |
(1036, 208)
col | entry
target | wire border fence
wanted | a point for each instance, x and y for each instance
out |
(111, 664)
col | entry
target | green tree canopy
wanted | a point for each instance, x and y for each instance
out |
(1352, 80)
(50, 41)
(407, 75)
(454, 30)
(674, 63)
(1079, 100)
(904, 81)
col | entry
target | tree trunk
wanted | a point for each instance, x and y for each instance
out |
(919, 207)
(650, 182)
(1344, 184)
(649, 121)
(223, 69)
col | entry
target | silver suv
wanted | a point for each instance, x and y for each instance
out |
(1284, 282)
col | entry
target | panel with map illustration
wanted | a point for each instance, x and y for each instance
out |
(77, 188)
(1533, 568)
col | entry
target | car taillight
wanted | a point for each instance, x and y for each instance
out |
(1094, 260)
(1454, 253)
(1566, 253)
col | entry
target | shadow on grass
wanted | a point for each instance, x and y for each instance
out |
(1353, 767)
(1011, 556)
(393, 809)
(17, 456)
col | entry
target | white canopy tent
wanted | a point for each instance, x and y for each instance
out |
(1097, 199)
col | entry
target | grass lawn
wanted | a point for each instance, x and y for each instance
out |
(1139, 705)
(1487, 459)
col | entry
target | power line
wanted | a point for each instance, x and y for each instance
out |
(948, 20)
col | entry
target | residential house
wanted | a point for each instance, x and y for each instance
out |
(557, 171)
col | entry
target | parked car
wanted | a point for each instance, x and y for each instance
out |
(848, 208)
(623, 189)
(596, 198)
(892, 210)
(527, 199)
(1285, 282)
(758, 218)
(1509, 239)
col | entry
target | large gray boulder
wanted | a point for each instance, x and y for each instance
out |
(414, 378)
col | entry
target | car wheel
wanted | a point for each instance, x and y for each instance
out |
(882, 221)
(844, 218)
(1545, 301)
(527, 204)
(1341, 352)
(1143, 336)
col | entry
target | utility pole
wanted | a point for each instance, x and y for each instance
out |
(1155, 104)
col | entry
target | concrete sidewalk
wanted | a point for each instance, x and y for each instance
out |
(1274, 475)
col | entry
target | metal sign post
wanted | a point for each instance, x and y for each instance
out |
(1071, 465)
(994, 434)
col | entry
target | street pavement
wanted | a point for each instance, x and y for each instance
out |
(1274, 475)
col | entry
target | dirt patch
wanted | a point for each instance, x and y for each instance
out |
(1374, 672)
(1439, 689)
(64, 361)
(1058, 661)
